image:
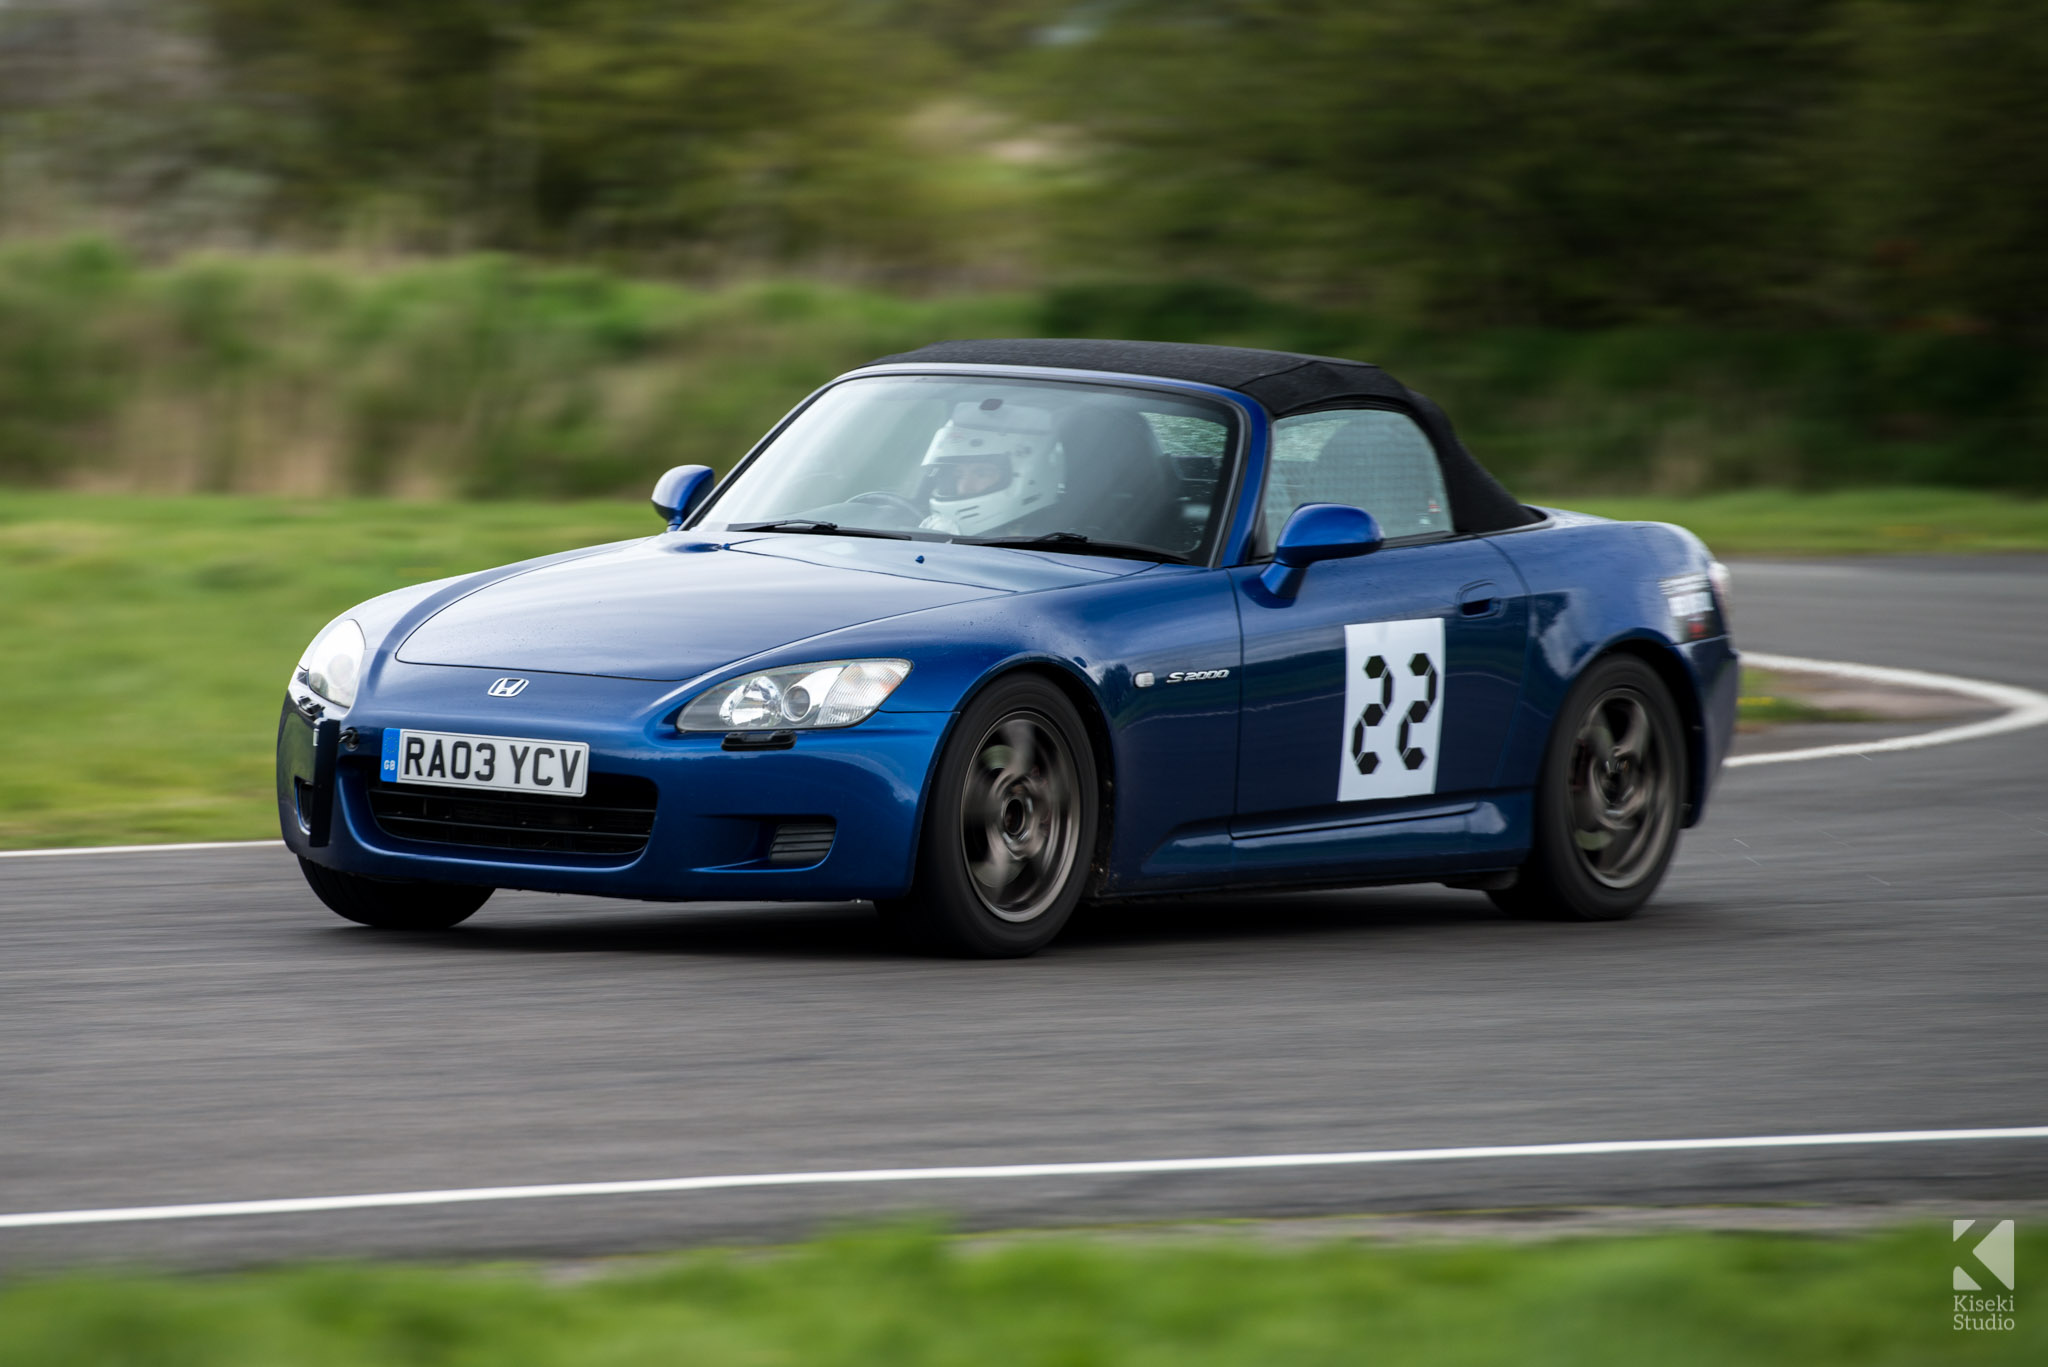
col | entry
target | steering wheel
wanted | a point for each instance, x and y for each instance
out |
(882, 498)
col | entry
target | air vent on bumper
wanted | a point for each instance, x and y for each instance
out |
(798, 844)
(614, 818)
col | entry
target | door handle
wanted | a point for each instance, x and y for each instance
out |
(1482, 599)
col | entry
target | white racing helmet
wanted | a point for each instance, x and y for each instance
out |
(991, 463)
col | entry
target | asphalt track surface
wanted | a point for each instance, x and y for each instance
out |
(1844, 945)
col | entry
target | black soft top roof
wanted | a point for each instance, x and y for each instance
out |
(1284, 382)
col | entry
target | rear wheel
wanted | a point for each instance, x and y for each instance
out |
(390, 904)
(1009, 827)
(1608, 800)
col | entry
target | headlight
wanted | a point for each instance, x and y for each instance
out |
(333, 664)
(834, 693)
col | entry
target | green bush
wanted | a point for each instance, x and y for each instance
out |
(480, 376)
(489, 376)
(1667, 410)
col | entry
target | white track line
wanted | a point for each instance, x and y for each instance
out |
(146, 849)
(2024, 708)
(1003, 1172)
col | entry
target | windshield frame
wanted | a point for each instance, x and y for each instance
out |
(1228, 520)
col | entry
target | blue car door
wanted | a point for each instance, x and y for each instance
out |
(1377, 699)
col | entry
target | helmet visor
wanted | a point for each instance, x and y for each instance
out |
(957, 477)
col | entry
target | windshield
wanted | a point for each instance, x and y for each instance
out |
(955, 457)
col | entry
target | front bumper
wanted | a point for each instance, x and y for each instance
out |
(715, 818)
(1717, 667)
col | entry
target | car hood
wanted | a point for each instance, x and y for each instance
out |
(675, 607)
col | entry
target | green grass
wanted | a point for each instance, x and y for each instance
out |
(1846, 522)
(901, 1298)
(1767, 698)
(147, 639)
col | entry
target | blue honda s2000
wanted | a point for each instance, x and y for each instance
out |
(987, 629)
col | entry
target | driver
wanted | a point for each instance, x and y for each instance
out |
(992, 463)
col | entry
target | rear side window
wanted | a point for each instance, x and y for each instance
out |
(1367, 457)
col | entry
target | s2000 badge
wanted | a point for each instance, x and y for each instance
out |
(1393, 709)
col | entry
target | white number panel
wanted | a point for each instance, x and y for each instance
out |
(1393, 709)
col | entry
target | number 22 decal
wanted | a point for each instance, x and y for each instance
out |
(1393, 709)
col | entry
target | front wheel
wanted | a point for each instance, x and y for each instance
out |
(1009, 828)
(389, 904)
(1608, 799)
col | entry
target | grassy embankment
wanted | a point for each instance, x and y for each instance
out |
(147, 639)
(499, 378)
(903, 1298)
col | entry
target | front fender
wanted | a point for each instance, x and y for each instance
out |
(1168, 751)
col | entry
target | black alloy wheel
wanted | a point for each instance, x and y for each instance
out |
(1010, 827)
(1609, 799)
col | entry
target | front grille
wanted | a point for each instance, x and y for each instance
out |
(614, 817)
(799, 843)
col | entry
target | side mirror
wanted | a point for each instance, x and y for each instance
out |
(679, 491)
(1318, 531)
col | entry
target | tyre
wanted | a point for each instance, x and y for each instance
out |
(391, 904)
(1009, 828)
(1608, 799)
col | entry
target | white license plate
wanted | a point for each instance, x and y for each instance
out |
(558, 768)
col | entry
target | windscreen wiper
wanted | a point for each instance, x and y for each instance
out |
(812, 527)
(1075, 541)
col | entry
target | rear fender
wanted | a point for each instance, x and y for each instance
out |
(1596, 588)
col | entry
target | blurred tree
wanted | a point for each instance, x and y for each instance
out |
(585, 125)
(1945, 207)
(109, 105)
(983, 33)
(769, 127)
(1577, 162)
(378, 102)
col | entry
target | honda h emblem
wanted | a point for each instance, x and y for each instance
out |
(507, 688)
